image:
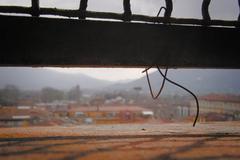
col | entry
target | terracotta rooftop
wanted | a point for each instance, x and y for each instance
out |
(221, 97)
(109, 109)
(8, 112)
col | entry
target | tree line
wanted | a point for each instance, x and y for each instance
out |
(10, 95)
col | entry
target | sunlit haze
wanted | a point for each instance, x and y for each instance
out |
(110, 74)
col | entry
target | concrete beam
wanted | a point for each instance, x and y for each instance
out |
(28, 41)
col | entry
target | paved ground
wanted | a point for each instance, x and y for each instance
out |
(128, 141)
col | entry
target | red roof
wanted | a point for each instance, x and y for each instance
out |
(109, 109)
(221, 97)
(8, 112)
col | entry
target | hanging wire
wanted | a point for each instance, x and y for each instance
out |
(161, 10)
(149, 83)
(164, 80)
(168, 11)
(195, 97)
(162, 86)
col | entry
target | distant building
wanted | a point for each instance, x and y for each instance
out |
(23, 107)
(21, 116)
(115, 100)
(110, 114)
(147, 113)
(220, 104)
(183, 111)
(25, 102)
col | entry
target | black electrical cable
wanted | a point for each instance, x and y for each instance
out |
(165, 78)
(195, 97)
(161, 10)
(162, 85)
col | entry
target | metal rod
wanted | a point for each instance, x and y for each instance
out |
(109, 15)
(169, 8)
(127, 10)
(83, 9)
(35, 8)
(239, 10)
(205, 11)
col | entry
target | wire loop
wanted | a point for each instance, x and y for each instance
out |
(150, 87)
(174, 83)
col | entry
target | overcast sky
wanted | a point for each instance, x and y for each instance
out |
(219, 9)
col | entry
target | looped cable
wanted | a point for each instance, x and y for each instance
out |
(149, 83)
(195, 97)
(174, 83)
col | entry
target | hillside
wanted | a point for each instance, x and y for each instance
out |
(200, 81)
(37, 78)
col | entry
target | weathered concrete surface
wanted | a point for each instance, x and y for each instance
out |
(139, 141)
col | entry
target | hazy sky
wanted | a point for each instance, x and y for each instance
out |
(111, 74)
(219, 9)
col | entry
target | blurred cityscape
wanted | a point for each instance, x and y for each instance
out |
(50, 106)
(44, 97)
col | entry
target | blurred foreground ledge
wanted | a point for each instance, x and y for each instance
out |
(164, 129)
(123, 141)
